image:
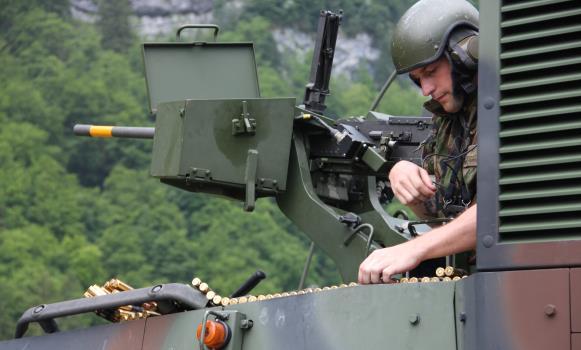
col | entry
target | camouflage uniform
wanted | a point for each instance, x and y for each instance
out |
(450, 153)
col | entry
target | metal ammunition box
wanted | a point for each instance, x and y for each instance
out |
(214, 133)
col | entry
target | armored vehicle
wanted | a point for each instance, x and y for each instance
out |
(330, 178)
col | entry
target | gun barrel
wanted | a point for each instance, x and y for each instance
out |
(114, 131)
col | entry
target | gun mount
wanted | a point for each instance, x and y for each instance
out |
(225, 139)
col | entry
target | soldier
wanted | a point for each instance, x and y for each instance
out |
(436, 43)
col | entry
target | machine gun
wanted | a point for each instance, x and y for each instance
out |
(215, 134)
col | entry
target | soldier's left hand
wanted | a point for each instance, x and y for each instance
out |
(382, 264)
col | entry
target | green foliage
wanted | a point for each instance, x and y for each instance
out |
(113, 23)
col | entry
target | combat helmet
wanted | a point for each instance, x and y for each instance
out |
(429, 27)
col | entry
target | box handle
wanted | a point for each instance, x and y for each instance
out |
(198, 26)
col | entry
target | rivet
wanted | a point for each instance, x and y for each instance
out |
(488, 241)
(550, 310)
(488, 103)
(462, 317)
(414, 319)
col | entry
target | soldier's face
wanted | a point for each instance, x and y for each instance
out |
(435, 80)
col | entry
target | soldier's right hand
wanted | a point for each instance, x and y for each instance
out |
(410, 183)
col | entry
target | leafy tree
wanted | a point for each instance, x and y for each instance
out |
(114, 25)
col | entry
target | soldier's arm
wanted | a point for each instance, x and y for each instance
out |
(456, 237)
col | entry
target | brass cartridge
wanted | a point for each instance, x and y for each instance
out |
(242, 300)
(261, 297)
(252, 299)
(446, 279)
(452, 271)
(440, 272)
(196, 282)
(217, 300)
(353, 284)
(342, 285)
(233, 301)
(449, 271)
(456, 278)
(425, 279)
(293, 293)
(404, 280)
(225, 301)
(210, 295)
(435, 279)
(203, 287)
(413, 280)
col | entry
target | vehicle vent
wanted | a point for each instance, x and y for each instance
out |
(540, 121)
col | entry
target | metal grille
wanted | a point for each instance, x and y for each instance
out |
(540, 121)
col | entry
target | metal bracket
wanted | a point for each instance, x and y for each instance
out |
(198, 173)
(244, 124)
(250, 179)
(268, 183)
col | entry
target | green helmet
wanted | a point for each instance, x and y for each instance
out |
(421, 35)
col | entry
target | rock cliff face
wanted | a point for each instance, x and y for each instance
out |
(159, 18)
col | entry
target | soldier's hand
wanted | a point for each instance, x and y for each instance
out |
(384, 263)
(410, 183)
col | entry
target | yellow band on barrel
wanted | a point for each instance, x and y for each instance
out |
(101, 131)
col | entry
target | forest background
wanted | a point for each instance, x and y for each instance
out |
(76, 212)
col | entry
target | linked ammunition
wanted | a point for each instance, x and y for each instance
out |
(196, 282)
(284, 294)
(343, 285)
(117, 284)
(403, 280)
(334, 287)
(435, 279)
(233, 301)
(203, 287)
(317, 290)
(353, 284)
(252, 299)
(225, 301)
(269, 296)
(261, 297)
(210, 295)
(440, 272)
(242, 300)
(326, 288)
(453, 271)
(446, 279)
(413, 280)
(217, 300)
(456, 278)
(425, 279)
